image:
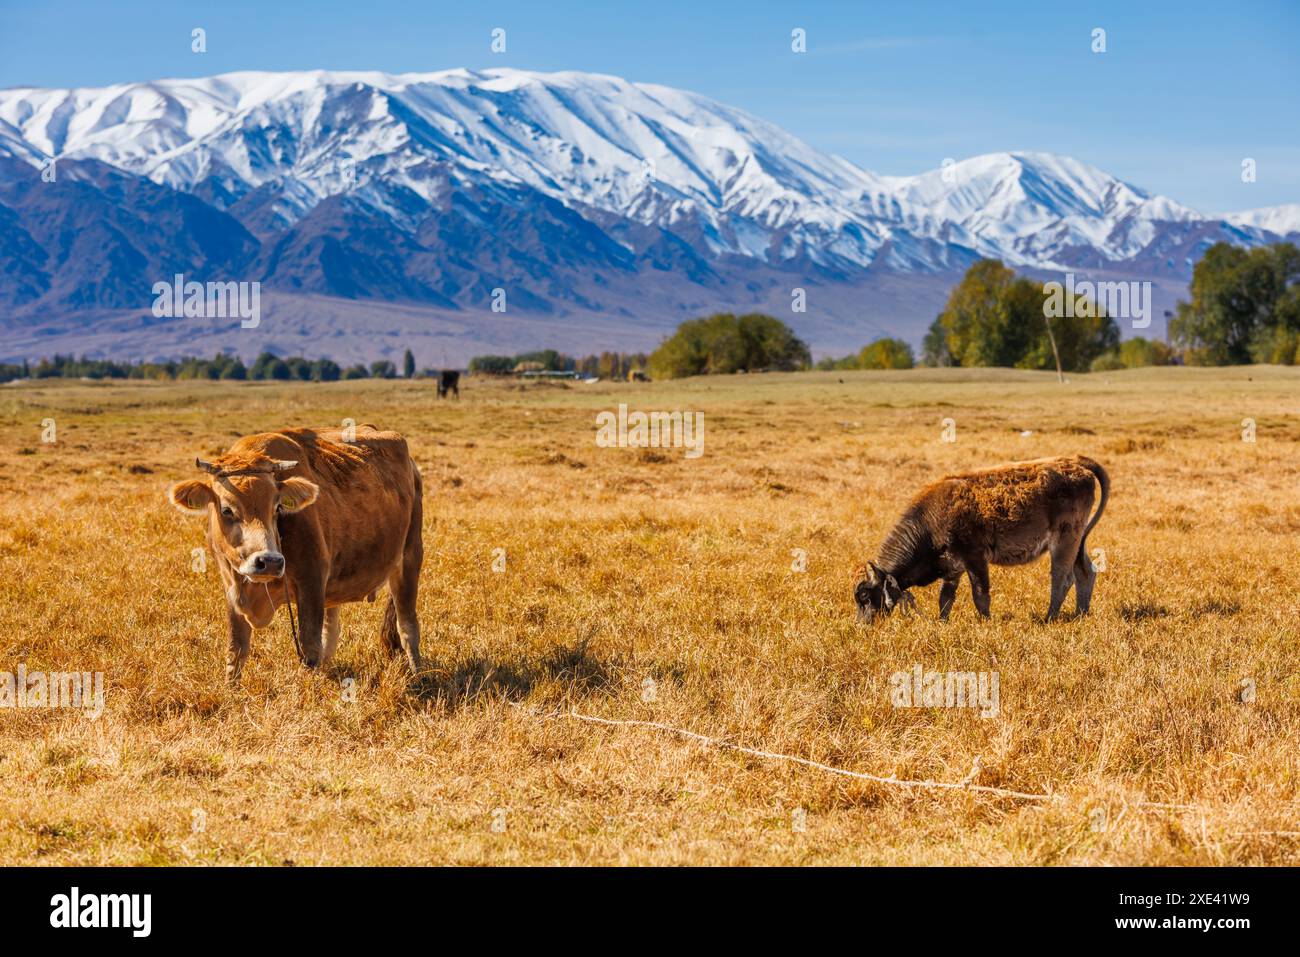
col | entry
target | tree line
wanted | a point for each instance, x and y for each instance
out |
(223, 366)
(605, 365)
(1244, 308)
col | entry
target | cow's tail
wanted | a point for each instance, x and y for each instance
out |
(1104, 481)
(388, 630)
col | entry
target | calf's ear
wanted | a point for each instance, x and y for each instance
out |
(192, 497)
(892, 591)
(297, 493)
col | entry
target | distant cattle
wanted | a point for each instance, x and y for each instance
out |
(448, 381)
(1006, 515)
(317, 518)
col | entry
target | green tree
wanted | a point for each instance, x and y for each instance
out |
(724, 343)
(1078, 339)
(325, 370)
(993, 318)
(550, 360)
(491, 365)
(1244, 306)
(833, 364)
(979, 325)
(357, 371)
(299, 368)
(262, 365)
(1138, 352)
(408, 365)
(934, 347)
(886, 354)
(234, 370)
(383, 369)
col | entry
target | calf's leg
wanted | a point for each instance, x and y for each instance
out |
(1063, 553)
(978, 570)
(947, 595)
(1085, 576)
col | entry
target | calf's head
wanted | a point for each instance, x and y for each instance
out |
(242, 502)
(877, 593)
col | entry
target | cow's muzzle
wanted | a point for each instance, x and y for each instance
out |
(264, 566)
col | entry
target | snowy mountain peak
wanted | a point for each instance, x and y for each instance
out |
(1280, 220)
(656, 155)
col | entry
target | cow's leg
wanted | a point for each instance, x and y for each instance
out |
(1085, 576)
(392, 641)
(947, 595)
(404, 585)
(1063, 555)
(311, 620)
(332, 629)
(978, 570)
(241, 633)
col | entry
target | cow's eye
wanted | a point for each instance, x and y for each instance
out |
(227, 512)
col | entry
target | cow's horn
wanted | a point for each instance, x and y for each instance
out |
(281, 465)
(208, 467)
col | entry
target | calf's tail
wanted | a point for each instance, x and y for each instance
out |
(1104, 481)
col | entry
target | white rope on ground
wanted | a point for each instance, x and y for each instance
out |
(774, 756)
(966, 785)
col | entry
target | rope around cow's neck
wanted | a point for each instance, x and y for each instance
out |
(293, 624)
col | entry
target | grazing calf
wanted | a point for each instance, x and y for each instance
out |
(1006, 515)
(318, 517)
(448, 381)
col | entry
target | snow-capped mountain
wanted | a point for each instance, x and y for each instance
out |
(579, 194)
(1280, 220)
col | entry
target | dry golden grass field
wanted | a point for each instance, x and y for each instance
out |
(625, 565)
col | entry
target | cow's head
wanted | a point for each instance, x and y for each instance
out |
(242, 501)
(877, 593)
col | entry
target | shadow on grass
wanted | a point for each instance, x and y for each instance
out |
(573, 665)
(1142, 611)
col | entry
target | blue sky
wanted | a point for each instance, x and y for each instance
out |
(1183, 93)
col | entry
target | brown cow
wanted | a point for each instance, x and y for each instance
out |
(320, 517)
(1006, 515)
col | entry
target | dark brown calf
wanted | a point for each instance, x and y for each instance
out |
(1006, 515)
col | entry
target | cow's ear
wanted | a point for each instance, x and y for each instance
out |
(192, 497)
(297, 493)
